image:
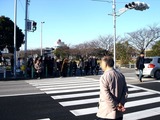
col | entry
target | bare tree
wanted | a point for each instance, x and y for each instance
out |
(143, 38)
(83, 49)
(106, 42)
(94, 44)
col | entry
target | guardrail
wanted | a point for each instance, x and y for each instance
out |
(127, 66)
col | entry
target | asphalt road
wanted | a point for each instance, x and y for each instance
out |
(74, 98)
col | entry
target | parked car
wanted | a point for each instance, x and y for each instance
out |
(152, 67)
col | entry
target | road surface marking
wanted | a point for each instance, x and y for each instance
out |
(154, 91)
(23, 94)
(80, 89)
(79, 102)
(142, 114)
(69, 87)
(58, 97)
(80, 112)
(85, 111)
(75, 95)
(71, 90)
(63, 85)
(142, 102)
(139, 94)
(133, 89)
(64, 89)
(44, 119)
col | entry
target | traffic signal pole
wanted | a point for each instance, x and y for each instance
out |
(114, 30)
(26, 20)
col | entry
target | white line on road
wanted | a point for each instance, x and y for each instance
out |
(59, 81)
(132, 89)
(154, 91)
(44, 119)
(72, 90)
(23, 94)
(63, 85)
(58, 97)
(79, 102)
(69, 87)
(142, 102)
(75, 95)
(80, 89)
(139, 94)
(86, 111)
(142, 114)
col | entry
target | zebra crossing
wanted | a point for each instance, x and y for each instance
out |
(80, 95)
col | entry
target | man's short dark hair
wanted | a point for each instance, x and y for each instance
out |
(108, 60)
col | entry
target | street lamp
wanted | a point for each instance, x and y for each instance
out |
(41, 37)
(15, 24)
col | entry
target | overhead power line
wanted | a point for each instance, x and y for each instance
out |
(21, 5)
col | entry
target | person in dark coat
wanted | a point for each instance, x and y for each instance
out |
(58, 67)
(29, 67)
(140, 65)
(50, 66)
(86, 67)
(64, 68)
(93, 64)
(74, 68)
(71, 68)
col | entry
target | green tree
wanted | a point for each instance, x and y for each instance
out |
(156, 49)
(62, 52)
(124, 52)
(7, 34)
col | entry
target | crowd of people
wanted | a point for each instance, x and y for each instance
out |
(50, 67)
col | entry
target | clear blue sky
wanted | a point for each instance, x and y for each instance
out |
(77, 21)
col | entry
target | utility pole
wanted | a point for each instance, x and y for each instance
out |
(114, 30)
(42, 38)
(26, 20)
(15, 24)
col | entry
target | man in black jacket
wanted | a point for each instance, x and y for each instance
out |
(140, 65)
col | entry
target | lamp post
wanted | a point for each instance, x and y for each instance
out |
(15, 24)
(41, 37)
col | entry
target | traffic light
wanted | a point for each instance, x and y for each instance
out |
(137, 6)
(141, 6)
(130, 5)
(34, 26)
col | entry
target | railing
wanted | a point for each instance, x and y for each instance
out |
(127, 66)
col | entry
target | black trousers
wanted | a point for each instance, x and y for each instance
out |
(110, 119)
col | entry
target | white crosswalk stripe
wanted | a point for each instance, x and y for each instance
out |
(76, 93)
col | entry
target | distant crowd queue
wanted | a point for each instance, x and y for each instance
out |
(50, 67)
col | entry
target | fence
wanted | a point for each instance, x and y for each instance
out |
(127, 66)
